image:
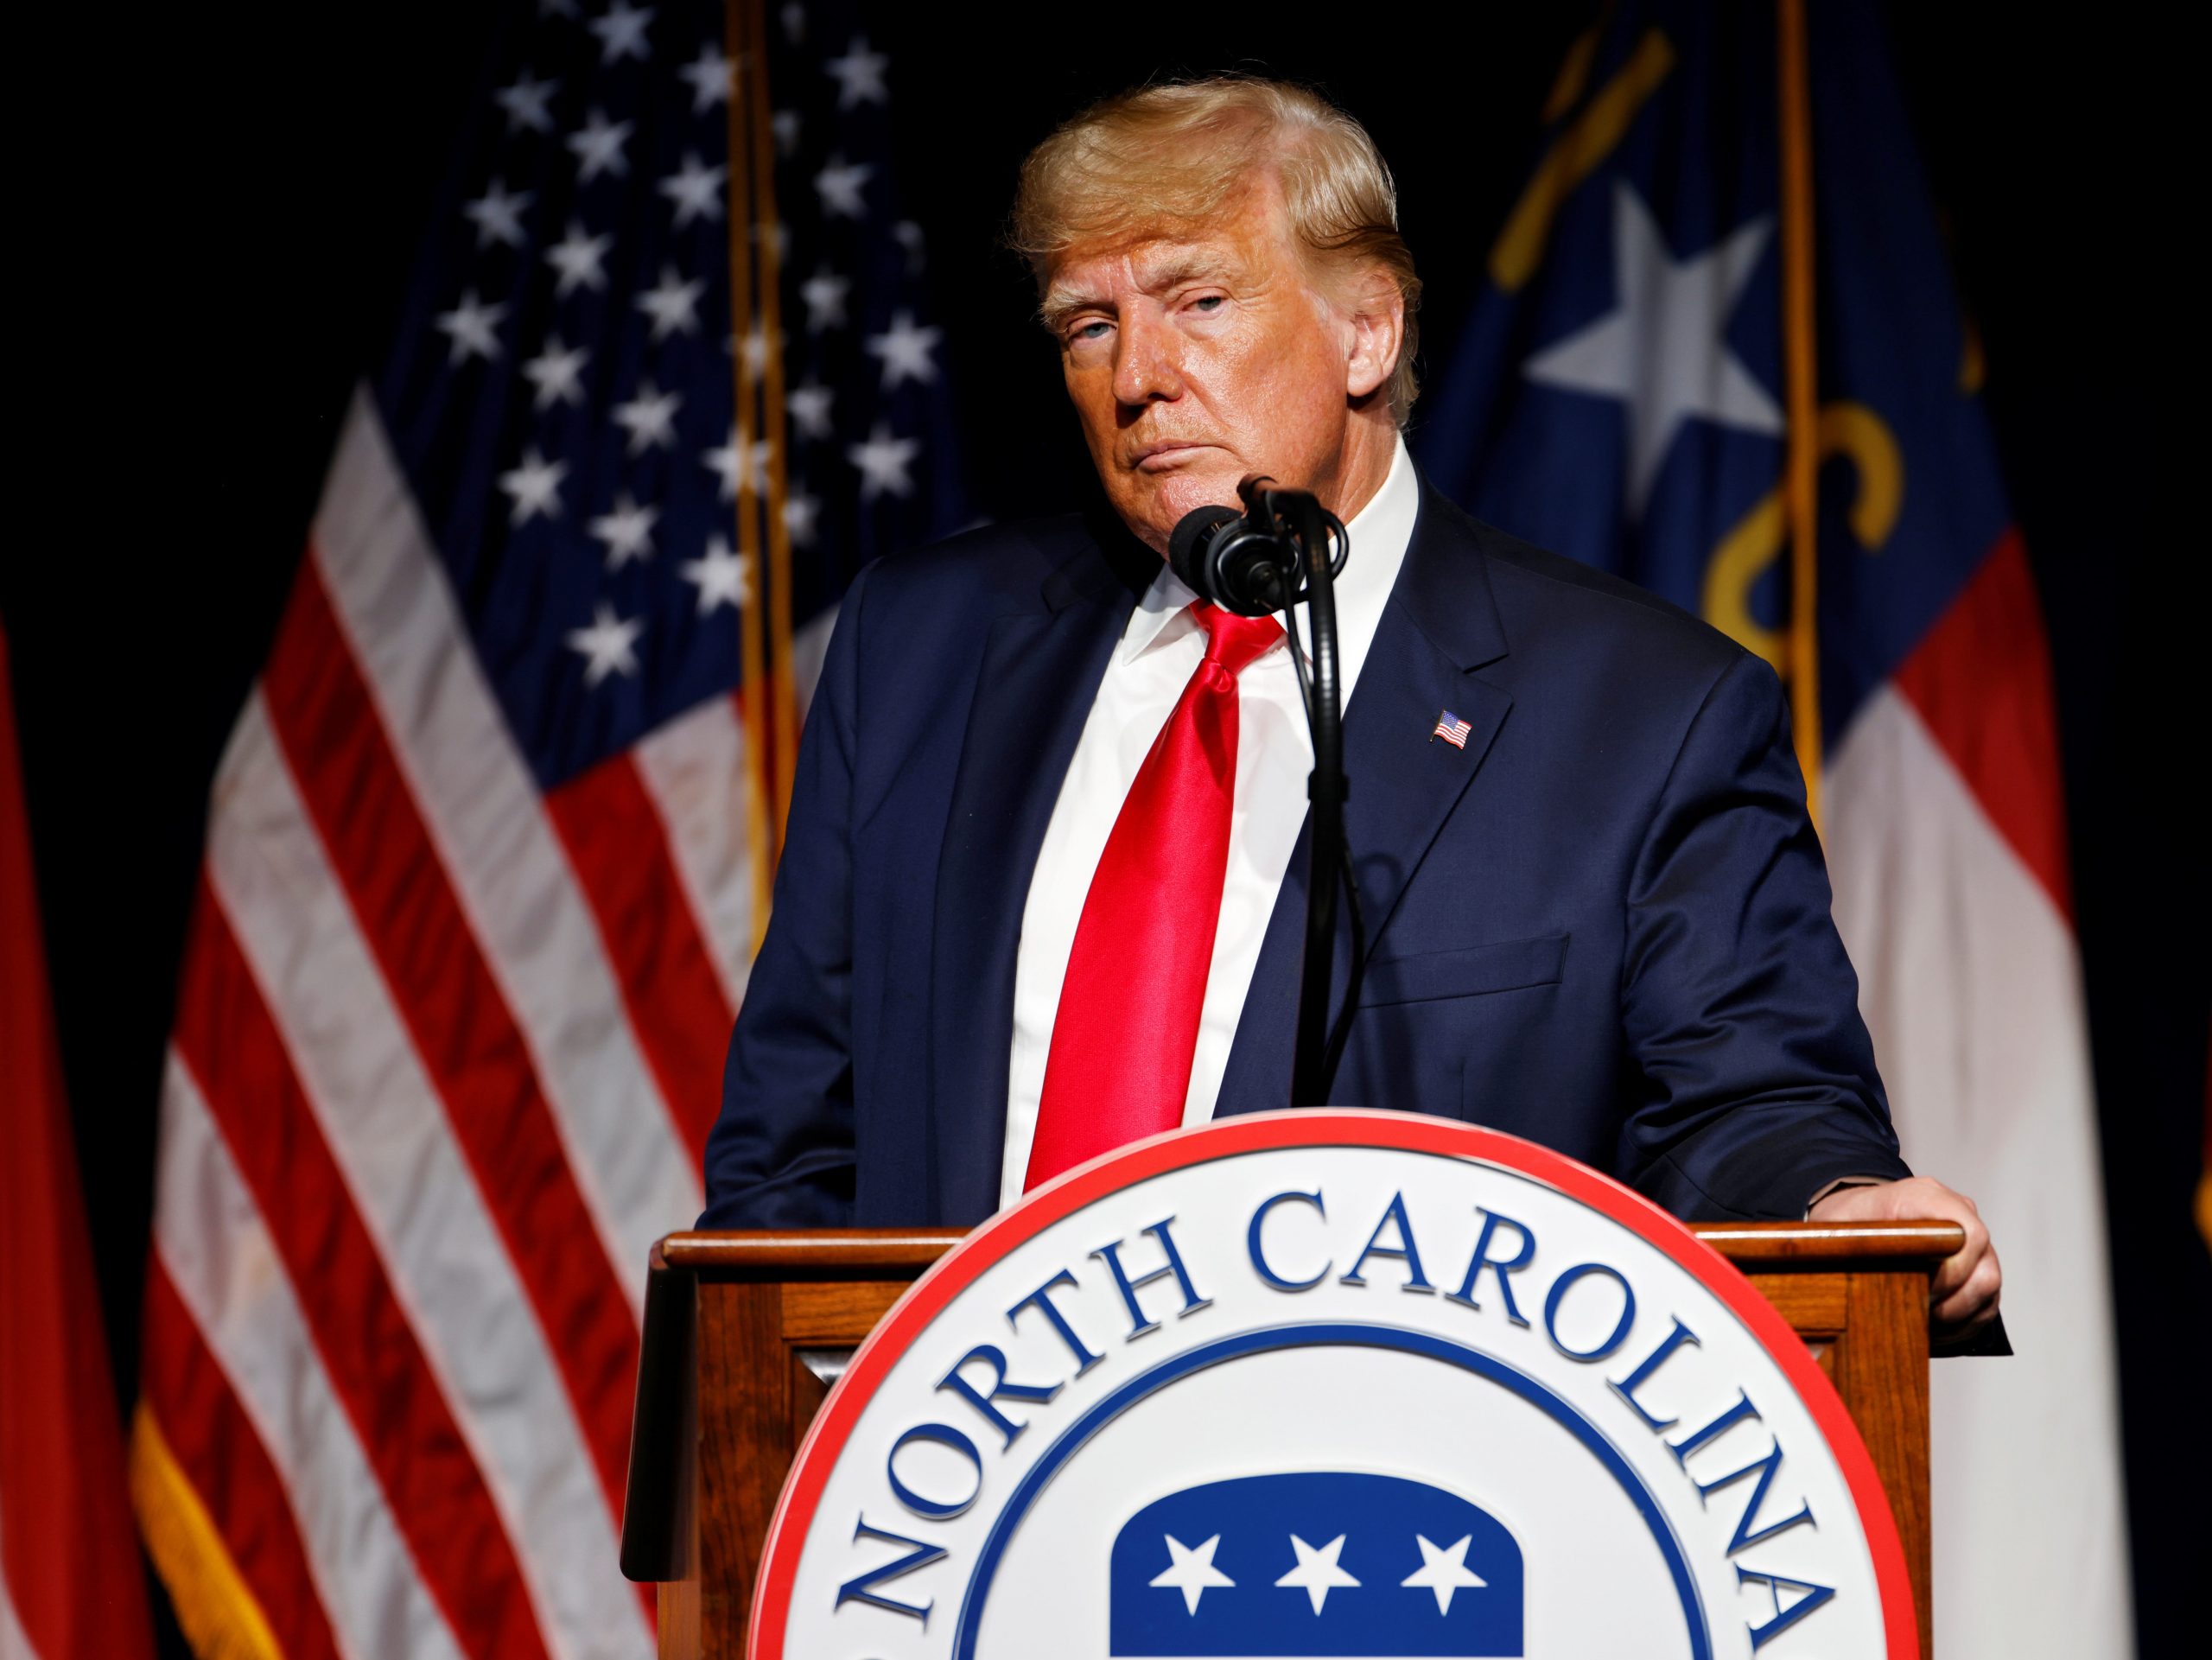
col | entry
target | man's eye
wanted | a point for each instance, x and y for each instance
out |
(1094, 331)
(1207, 302)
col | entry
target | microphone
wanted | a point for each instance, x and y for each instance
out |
(1250, 562)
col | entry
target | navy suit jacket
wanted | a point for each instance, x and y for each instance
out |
(1604, 924)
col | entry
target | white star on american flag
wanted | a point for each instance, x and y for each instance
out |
(628, 530)
(904, 350)
(695, 189)
(673, 304)
(579, 259)
(859, 75)
(525, 102)
(555, 372)
(719, 577)
(708, 74)
(622, 32)
(607, 644)
(598, 147)
(469, 326)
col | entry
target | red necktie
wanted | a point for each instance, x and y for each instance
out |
(1120, 1063)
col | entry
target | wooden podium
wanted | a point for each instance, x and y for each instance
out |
(745, 1333)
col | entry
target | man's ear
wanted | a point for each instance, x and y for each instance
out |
(1376, 316)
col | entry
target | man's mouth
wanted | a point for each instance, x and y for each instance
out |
(1159, 457)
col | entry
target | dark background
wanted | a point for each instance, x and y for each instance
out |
(210, 287)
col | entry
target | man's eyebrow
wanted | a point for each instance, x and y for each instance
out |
(1192, 265)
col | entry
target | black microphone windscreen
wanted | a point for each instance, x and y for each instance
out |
(1186, 547)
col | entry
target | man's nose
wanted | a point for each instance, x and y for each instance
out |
(1145, 363)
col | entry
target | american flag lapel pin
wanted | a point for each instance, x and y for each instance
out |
(1450, 727)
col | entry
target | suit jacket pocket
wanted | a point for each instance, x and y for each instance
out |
(1466, 972)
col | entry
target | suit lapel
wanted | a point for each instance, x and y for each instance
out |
(1440, 625)
(1039, 675)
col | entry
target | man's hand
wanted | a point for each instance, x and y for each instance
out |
(1967, 1286)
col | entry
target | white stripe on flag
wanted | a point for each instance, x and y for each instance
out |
(15, 1645)
(1971, 985)
(483, 811)
(218, 1252)
(387, 1127)
(694, 769)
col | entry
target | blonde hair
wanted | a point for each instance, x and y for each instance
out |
(1170, 155)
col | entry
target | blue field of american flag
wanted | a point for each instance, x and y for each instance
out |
(490, 845)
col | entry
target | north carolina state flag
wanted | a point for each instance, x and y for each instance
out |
(70, 1581)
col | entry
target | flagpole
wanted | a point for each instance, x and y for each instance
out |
(768, 316)
(752, 619)
(1800, 482)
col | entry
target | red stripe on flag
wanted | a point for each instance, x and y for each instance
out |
(1980, 679)
(65, 1517)
(215, 1444)
(228, 1040)
(475, 1054)
(619, 849)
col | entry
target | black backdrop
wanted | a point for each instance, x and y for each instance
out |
(222, 251)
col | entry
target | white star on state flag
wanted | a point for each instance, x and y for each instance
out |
(883, 460)
(497, 215)
(628, 530)
(708, 74)
(606, 644)
(859, 75)
(598, 147)
(555, 372)
(649, 419)
(824, 293)
(904, 349)
(719, 577)
(469, 326)
(839, 184)
(1316, 1572)
(1191, 1572)
(1663, 350)
(673, 304)
(1443, 1572)
(695, 188)
(524, 102)
(577, 257)
(534, 485)
(622, 32)
(808, 404)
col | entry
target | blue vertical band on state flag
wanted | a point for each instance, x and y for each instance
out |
(1620, 401)
(560, 386)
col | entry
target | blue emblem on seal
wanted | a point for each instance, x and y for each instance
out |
(1329, 1565)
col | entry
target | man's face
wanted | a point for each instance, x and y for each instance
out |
(1193, 363)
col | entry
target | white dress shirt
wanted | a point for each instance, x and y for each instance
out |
(1160, 649)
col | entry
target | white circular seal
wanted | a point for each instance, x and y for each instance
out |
(1335, 1384)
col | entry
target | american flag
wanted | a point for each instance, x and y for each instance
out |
(489, 848)
(1453, 730)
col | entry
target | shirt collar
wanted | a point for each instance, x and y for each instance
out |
(1380, 533)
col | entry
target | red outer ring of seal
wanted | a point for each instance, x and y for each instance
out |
(1313, 1126)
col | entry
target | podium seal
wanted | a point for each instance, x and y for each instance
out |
(1336, 1383)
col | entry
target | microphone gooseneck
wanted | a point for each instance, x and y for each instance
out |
(1284, 549)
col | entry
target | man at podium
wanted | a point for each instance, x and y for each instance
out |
(1042, 892)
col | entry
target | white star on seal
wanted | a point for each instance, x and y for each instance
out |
(1316, 1572)
(1663, 350)
(606, 644)
(1443, 1572)
(1191, 1572)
